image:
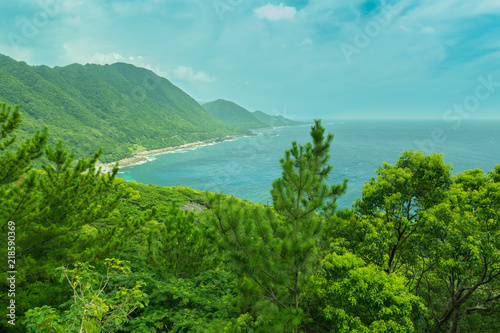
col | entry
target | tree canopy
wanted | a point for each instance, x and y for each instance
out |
(419, 251)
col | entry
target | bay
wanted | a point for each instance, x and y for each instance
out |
(245, 167)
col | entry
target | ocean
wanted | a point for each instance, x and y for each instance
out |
(245, 167)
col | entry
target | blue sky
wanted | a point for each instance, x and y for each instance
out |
(299, 58)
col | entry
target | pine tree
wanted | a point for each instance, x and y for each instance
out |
(275, 250)
(179, 248)
(61, 213)
(13, 164)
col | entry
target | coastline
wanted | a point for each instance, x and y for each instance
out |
(147, 155)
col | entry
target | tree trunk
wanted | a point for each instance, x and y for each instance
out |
(437, 328)
(455, 319)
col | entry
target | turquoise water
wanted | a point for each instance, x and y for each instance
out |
(247, 166)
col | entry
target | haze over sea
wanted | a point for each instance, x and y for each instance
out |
(246, 167)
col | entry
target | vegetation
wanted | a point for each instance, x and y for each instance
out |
(274, 251)
(419, 252)
(119, 108)
(234, 115)
(275, 121)
(93, 310)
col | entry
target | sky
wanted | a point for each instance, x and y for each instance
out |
(298, 58)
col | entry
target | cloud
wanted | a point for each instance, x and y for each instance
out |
(305, 42)
(110, 58)
(425, 30)
(17, 52)
(275, 13)
(188, 74)
(428, 30)
(419, 49)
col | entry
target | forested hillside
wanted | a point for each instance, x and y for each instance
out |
(275, 121)
(232, 114)
(86, 252)
(119, 107)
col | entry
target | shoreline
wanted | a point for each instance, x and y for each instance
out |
(147, 155)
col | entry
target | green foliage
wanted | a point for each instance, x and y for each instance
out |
(58, 212)
(116, 107)
(463, 244)
(61, 214)
(439, 231)
(179, 247)
(139, 198)
(232, 114)
(94, 307)
(481, 322)
(275, 121)
(200, 304)
(495, 174)
(417, 236)
(355, 297)
(16, 163)
(395, 199)
(277, 249)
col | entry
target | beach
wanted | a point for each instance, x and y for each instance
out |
(148, 155)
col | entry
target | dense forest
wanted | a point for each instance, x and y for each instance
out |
(120, 108)
(89, 252)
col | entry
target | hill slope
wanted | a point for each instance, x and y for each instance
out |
(275, 121)
(233, 114)
(119, 107)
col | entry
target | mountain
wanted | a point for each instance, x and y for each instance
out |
(275, 121)
(119, 107)
(233, 114)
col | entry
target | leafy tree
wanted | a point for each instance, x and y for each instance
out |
(205, 303)
(495, 174)
(463, 243)
(393, 202)
(440, 231)
(274, 251)
(94, 307)
(355, 297)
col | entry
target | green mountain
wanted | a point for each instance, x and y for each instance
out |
(233, 114)
(119, 107)
(275, 121)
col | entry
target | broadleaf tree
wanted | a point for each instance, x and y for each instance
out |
(394, 201)
(352, 296)
(96, 305)
(438, 230)
(462, 240)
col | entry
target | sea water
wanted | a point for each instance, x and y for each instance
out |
(245, 167)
